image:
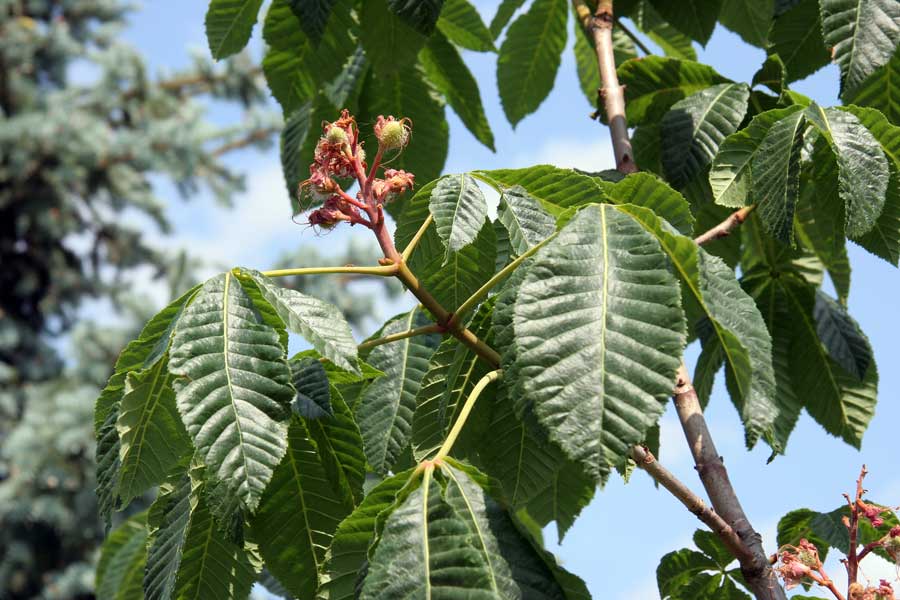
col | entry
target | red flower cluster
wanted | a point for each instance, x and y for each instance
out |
(797, 562)
(339, 155)
(872, 513)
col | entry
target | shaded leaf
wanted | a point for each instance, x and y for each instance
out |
(842, 337)
(313, 399)
(421, 14)
(229, 24)
(750, 19)
(463, 26)
(122, 559)
(776, 175)
(796, 37)
(694, 18)
(313, 16)
(880, 90)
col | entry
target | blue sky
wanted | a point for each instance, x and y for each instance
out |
(618, 540)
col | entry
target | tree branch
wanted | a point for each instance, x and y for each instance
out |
(725, 228)
(754, 563)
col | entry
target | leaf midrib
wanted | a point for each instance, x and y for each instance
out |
(226, 355)
(144, 420)
(487, 555)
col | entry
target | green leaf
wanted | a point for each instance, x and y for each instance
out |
(320, 323)
(530, 56)
(463, 26)
(421, 14)
(676, 569)
(653, 84)
(797, 525)
(862, 167)
(880, 90)
(694, 128)
(453, 371)
(730, 175)
(168, 520)
(313, 16)
(863, 34)
(449, 74)
(673, 43)
(347, 554)
(340, 436)
(776, 175)
(796, 36)
(298, 130)
(554, 188)
(771, 74)
(313, 399)
(586, 64)
(583, 283)
(391, 42)
(407, 94)
(523, 217)
(648, 191)
(504, 13)
(122, 560)
(694, 18)
(152, 436)
(713, 547)
(300, 511)
(229, 24)
(453, 539)
(233, 391)
(459, 211)
(212, 566)
(842, 337)
(295, 66)
(386, 410)
(750, 19)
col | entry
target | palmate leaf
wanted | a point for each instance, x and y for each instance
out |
(796, 37)
(737, 334)
(320, 323)
(580, 335)
(694, 128)
(386, 409)
(863, 34)
(295, 65)
(862, 167)
(526, 222)
(530, 56)
(694, 18)
(730, 175)
(459, 211)
(300, 511)
(233, 391)
(463, 26)
(881, 90)
(450, 538)
(446, 70)
(653, 84)
(776, 175)
(122, 559)
(229, 24)
(152, 436)
(350, 544)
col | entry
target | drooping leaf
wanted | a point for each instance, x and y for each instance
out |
(530, 56)
(320, 323)
(459, 211)
(750, 19)
(880, 90)
(653, 84)
(862, 167)
(449, 74)
(152, 436)
(233, 391)
(347, 554)
(386, 410)
(527, 223)
(122, 560)
(842, 337)
(504, 13)
(776, 175)
(694, 127)
(421, 14)
(694, 18)
(339, 435)
(863, 35)
(297, 130)
(730, 175)
(572, 372)
(300, 511)
(463, 26)
(796, 37)
(229, 24)
(296, 66)
(167, 520)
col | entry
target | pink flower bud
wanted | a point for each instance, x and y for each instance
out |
(392, 133)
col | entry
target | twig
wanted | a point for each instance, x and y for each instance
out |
(395, 337)
(725, 228)
(382, 271)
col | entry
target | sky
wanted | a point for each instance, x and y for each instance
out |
(619, 538)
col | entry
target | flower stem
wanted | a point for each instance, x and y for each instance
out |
(433, 328)
(483, 291)
(464, 413)
(382, 271)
